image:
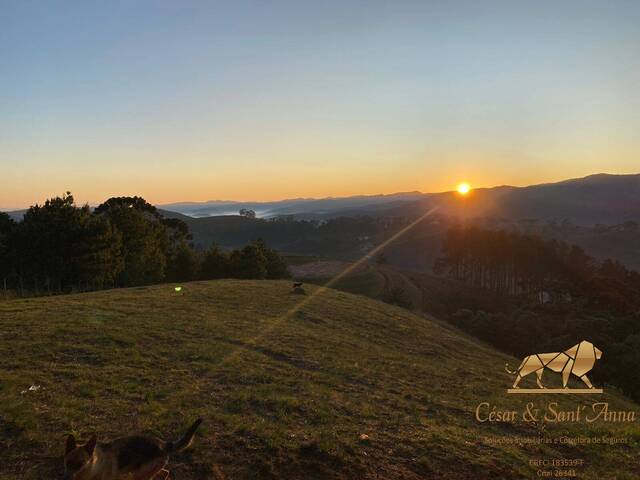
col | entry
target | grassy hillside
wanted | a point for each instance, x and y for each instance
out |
(287, 385)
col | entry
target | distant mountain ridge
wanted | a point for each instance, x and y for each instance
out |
(595, 199)
(296, 206)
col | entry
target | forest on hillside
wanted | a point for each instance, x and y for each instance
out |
(59, 247)
(525, 294)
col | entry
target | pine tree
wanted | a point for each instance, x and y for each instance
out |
(275, 264)
(184, 265)
(249, 263)
(215, 264)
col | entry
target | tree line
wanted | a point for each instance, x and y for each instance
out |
(60, 247)
(338, 237)
(511, 263)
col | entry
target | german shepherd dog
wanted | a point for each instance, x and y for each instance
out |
(132, 458)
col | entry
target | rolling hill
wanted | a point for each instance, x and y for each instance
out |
(305, 207)
(596, 199)
(421, 292)
(599, 213)
(324, 386)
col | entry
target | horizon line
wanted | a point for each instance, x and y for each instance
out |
(10, 209)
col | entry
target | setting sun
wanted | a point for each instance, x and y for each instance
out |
(463, 188)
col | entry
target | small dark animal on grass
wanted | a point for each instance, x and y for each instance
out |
(136, 457)
(297, 288)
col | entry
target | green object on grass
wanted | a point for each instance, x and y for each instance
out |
(178, 289)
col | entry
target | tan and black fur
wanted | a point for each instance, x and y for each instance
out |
(134, 458)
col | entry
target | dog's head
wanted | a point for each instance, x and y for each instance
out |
(78, 458)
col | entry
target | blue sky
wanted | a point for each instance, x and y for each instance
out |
(265, 100)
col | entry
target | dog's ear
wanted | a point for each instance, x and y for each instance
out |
(71, 444)
(91, 444)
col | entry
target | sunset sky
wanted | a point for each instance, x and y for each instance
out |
(238, 100)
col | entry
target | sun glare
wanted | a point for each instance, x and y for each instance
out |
(463, 188)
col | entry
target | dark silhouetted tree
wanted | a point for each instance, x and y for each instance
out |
(145, 239)
(61, 247)
(7, 232)
(184, 265)
(215, 264)
(245, 212)
(249, 263)
(275, 264)
(397, 296)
